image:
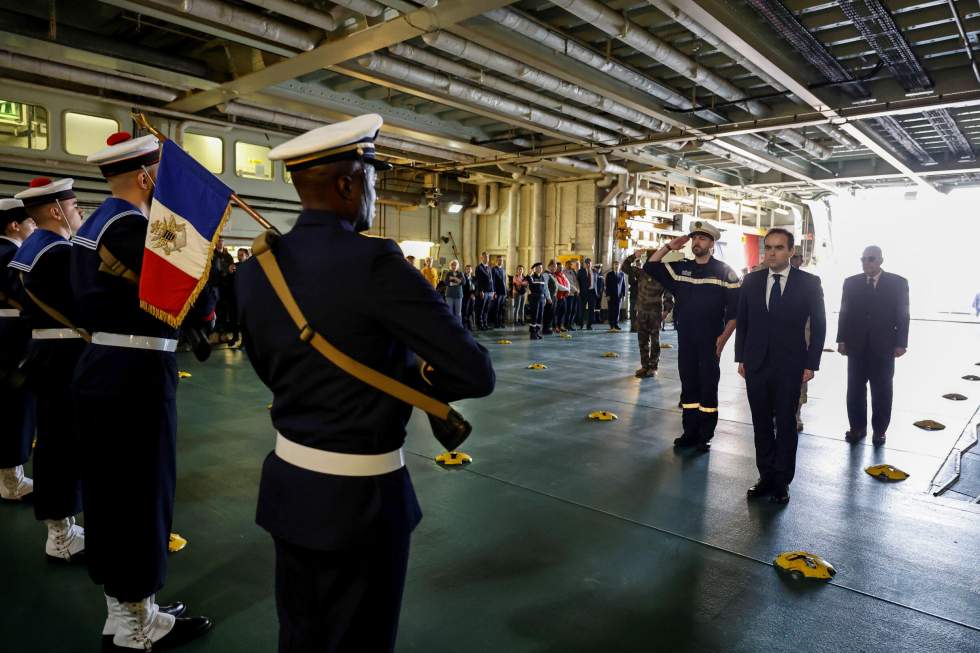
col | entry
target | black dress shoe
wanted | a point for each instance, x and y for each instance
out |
(703, 446)
(878, 439)
(759, 490)
(855, 434)
(685, 441)
(780, 495)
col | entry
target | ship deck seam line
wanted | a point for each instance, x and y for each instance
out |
(703, 543)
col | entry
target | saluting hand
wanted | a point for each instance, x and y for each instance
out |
(678, 243)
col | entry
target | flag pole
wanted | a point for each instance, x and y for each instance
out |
(141, 120)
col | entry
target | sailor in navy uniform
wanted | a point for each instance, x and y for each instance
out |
(125, 405)
(335, 494)
(706, 294)
(42, 267)
(16, 401)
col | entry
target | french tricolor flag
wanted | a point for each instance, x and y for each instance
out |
(190, 207)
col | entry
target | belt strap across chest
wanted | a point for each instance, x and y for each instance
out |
(338, 464)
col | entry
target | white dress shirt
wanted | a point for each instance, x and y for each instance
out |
(874, 279)
(783, 274)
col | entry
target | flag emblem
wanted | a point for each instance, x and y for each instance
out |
(190, 207)
(167, 235)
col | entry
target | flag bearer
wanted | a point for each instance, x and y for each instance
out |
(125, 403)
(16, 401)
(335, 494)
(41, 266)
(706, 295)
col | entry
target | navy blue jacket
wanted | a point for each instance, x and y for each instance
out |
(499, 280)
(615, 284)
(763, 338)
(878, 316)
(484, 278)
(382, 315)
(706, 295)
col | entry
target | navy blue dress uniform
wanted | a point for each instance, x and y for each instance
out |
(335, 494)
(873, 323)
(615, 288)
(770, 341)
(484, 294)
(706, 298)
(125, 397)
(42, 266)
(16, 401)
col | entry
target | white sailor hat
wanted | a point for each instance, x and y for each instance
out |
(44, 191)
(350, 139)
(125, 153)
(11, 210)
(705, 228)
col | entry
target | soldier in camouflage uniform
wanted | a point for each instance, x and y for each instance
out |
(652, 303)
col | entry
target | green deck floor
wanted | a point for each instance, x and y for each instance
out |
(569, 535)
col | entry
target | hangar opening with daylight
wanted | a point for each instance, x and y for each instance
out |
(685, 294)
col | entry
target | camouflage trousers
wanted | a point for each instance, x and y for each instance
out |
(648, 333)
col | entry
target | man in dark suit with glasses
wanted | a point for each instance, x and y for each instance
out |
(872, 331)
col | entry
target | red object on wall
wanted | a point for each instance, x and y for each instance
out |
(753, 255)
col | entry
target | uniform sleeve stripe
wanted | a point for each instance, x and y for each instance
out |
(716, 282)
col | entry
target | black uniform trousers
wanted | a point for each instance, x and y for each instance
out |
(774, 395)
(561, 305)
(126, 403)
(483, 309)
(57, 469)
(614, 304)
(467, 311)
(535, 311)
(16, 400)
(699, 372)
(548, 318)
(341, 601)
(866, 366)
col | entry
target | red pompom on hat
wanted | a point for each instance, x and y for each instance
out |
(118, 137)
(37, 182)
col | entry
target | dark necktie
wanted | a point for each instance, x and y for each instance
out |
(871, 283)
(775, 294)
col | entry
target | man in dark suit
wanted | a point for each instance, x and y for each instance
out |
(872, 331)
(588, 283)
(615, 291)
(499, 309)
(775, 359)
(335, 494)
(484, 291)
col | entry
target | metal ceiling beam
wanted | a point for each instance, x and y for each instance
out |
(718, 19)
(359, 43)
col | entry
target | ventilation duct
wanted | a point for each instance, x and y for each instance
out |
(299, 12)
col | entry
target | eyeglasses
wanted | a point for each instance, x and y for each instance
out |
(869, 259)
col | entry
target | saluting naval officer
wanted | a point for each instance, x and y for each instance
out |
(706, 294)
(16, 401)
(42, 268)
(125, 404)
(335, 494)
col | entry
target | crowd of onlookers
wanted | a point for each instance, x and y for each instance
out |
(551, 298)
(223, 268)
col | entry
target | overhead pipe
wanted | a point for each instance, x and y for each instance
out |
(604, 168)
(236, 18)
(485, 57)
(304, 123)
(480, 77)
(53, 70)
(369, 8)
(426, 78)
(467, 240)
(299, 12)
(618, 26)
